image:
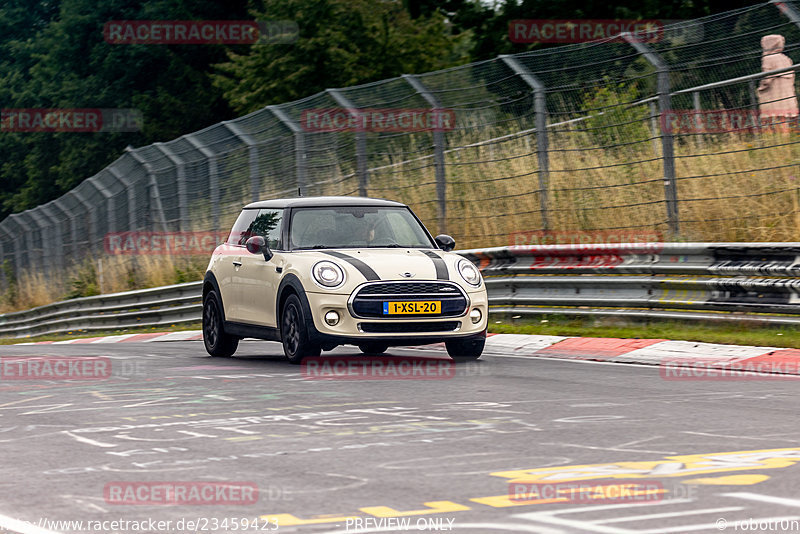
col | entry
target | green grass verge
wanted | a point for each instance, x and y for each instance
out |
(727, 333)
(82, 333)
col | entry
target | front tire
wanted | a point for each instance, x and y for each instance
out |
(217, 342)
(465, 350)
(297, 344)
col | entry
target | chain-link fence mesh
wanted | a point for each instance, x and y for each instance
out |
(597, 136)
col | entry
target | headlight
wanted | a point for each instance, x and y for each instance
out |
(469, 272)
(328, 274)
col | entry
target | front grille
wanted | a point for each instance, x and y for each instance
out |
(409, 288)
(409, 328)
(368, 300)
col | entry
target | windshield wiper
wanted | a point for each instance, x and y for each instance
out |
(310, 248)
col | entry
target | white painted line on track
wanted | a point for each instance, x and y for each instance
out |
(795, 503)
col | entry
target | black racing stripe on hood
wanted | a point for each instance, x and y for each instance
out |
(441, 267)
(362, 267)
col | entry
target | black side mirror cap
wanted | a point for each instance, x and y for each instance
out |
(445, 242)
(257, 244)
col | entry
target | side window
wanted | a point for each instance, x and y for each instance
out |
(268, 225)
(263, 222)
(240, 232)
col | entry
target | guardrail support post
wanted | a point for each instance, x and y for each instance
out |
(542, 140)
(361, 141)
(180, 173)
(252, 154)
(213, 178)
(439, 143)
(667, 141)
(301, 163)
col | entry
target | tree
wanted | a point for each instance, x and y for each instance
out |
(55, 56)
(341, 43)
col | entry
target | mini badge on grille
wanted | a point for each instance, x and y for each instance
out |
(407, 275)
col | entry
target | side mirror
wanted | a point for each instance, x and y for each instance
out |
(445, 242)
(257, 244)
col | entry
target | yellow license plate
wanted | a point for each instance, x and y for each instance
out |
(415, 307)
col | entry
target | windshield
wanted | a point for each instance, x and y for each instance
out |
(357, 227)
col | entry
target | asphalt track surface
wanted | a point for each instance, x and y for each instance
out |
(391, 454)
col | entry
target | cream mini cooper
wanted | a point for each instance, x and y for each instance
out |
(315, 273)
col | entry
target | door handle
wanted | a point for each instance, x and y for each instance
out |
(237, 263)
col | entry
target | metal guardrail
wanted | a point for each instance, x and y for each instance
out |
(757, 282)
(707, 281)
(155, 307)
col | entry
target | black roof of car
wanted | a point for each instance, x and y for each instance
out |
(318, 202)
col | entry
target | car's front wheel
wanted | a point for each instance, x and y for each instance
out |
(465, 350)
(217, 342)
(294, 332)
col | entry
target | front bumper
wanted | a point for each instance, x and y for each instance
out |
(396, 330)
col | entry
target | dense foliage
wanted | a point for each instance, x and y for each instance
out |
(53, 55)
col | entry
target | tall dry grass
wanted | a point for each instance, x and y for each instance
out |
(731, 187)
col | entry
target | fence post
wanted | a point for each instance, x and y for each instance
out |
(131, 194)
(19, 248)
(438, 150)
(180, 172)
(7, 233)
(787, 9)
(39, 220)
(111, 221)
(156, 209)
(667, 141)
(300, 155)
(542, 140)
(73, 226)
(213, 178)
(56, 259)
(252, 154)
(90, 209)
(361, 141)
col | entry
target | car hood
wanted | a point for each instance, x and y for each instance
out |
(364, 264)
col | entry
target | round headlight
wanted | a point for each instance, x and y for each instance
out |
(328, 274)
(469, 272)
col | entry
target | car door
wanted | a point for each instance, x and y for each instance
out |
(258, 278)
(229, 265)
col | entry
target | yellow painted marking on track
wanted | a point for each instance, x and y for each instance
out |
(504, 501)
(671, 466)
(433, 507)
(288, 520)
(244, 438)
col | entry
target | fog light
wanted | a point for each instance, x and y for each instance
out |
(475, 316)
(332, 318)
